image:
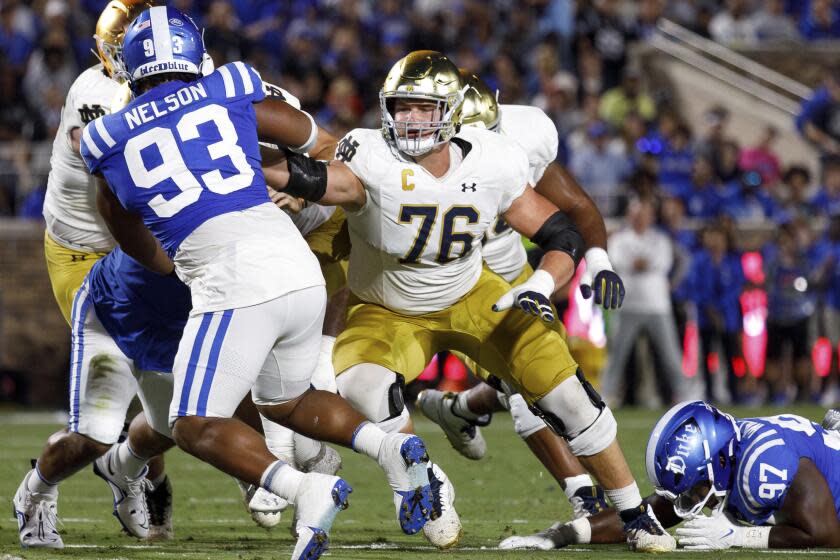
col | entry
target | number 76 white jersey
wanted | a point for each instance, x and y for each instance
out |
(417, 241)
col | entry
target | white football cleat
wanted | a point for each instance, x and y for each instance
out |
(328, 462)
(464, 435)
(318, 501)
(405, 461)
(264, 507)
(37, 517)
(645, 534)
(557, 536)
(444, 528)
(129, 496)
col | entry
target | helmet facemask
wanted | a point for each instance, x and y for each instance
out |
(415, 138)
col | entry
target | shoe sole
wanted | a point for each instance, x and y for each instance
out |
(416, 506)
(465, 450)
(118, 497)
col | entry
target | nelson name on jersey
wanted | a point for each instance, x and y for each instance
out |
(147, 112)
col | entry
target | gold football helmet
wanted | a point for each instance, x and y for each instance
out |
(110, 29)
(481, 106)
(425, 76)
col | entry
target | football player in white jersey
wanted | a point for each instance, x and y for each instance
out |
(420, 197)
(460, 415)
(75, 239)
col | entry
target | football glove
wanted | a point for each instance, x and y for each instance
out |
(532, 296)
(601, 280)
(710, 532)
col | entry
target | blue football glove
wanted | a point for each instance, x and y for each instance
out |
(600, 280)
(532, 296)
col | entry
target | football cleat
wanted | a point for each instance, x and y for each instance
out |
(159, 506)
(405, 461)
(264, 507)
(831, 420)
(37, 517)
(464, 435)
(318, 501)
(644, 533)
(557, 536)
(328, 462)
(129, 496)
(444, 526)
(587, 501)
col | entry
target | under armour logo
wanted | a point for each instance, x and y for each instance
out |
(346, 149)
(88, 114)
(465, 187)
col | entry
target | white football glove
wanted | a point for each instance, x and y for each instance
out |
(711, 532)
(532, 296)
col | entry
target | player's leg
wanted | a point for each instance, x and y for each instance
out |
(218, 362)
(101, 387)
(540, 367)
(283, 394)
(366, 363)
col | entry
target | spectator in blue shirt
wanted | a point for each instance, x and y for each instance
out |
(676, 161)
(820, 22)
(791, 301)
(599, 169)
(719, 281)
(794, 201)
(752, 202)
(827, 199)
(820, 119)
(702, 199)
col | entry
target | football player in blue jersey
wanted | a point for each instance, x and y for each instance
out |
(770, 482)
(181, 188)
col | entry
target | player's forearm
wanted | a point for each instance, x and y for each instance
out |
(782, 536)
(558, 186)
(280, 123)
(560, 266)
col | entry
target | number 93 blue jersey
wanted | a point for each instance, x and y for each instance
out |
(767, 460)
(183, 152)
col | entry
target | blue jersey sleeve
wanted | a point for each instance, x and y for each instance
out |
(765, 472)
(237, 80)
(95, 144)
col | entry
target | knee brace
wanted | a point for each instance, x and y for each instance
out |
(575, 411)
(525, 422)
(373, 390)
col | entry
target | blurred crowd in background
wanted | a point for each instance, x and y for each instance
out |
(685, 192)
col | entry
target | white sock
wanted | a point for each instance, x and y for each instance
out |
(461, 408)
(279, 440)
(625, 498)
(127, 462)
(368, 439)
(575, 483)
(306, 449)
(38, 485)
(281, 479)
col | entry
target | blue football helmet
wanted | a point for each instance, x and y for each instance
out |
(162, 40)
(690, 456)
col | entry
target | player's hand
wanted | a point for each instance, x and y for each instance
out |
(532, 296)
(607, 285)
(714, 532)
(286, 202)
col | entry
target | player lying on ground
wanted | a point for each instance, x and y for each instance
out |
(257, 292)
(769, 482)
(461, 415)
(418, 284)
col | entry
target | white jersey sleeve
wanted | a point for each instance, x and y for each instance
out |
(416, 242)
(531, 128)
(70, 203)
(311, 218)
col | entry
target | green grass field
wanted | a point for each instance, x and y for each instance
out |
(506, 493)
